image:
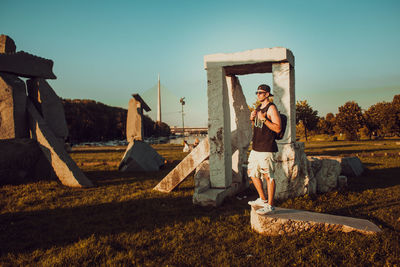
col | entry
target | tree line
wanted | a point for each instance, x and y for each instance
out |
(378, 121)
(91, 121)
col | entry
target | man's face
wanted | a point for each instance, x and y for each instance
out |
(261, 95)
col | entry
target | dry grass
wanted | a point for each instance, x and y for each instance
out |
(122, 221)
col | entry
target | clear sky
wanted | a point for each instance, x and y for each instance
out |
(107, 50)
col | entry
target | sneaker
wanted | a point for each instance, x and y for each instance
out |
(267, 208)
(257, 202)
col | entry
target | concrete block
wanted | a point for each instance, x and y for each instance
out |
(326, 172)
(351, 166)
(250, 61)
(26, 65)
(64, 167)
(219, 126)
(211, 197)
(139, 156)
(184, 168)
(284, 98)
(49, 105)
(7, 45)
(13, 119)
(241, 132)
(134, 124)
(291, 222)
(342, 181)
(18, 159)
(202, 177)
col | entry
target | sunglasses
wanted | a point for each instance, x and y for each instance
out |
(260, 93)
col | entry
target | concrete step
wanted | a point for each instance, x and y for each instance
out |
(289, 222)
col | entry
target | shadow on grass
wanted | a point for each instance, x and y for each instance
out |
(29, 231)
(344, 152)
(373, 179)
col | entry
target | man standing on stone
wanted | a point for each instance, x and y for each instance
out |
(267, 123)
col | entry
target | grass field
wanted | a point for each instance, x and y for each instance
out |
(122, 221)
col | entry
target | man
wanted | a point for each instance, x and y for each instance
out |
(267, 123)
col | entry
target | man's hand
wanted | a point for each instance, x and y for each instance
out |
(253, 115)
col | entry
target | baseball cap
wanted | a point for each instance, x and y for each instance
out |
(265, 88)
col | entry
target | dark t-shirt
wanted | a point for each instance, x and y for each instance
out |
(263, 137)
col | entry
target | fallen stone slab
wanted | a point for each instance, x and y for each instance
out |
(185, 167)
(139, 156)
(290, 222)
(27, 65)
(351, 166)
(326, 171)
(64, 167)
(49, 104)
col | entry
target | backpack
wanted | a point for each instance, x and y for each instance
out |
(281, 134)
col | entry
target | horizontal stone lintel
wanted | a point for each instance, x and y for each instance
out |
(26, 65)
(260, 60)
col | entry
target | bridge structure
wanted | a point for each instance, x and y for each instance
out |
(189, 130)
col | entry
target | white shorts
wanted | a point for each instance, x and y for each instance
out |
(261, 163)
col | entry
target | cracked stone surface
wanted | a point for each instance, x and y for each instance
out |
(290, 222)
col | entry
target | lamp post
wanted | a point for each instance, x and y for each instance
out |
(182, 100)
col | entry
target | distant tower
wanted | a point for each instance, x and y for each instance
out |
(159, 101)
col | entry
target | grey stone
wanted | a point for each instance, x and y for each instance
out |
(326, 173)
(211, 197)
(184, 168)
(18, 160)
(342, 181)
(351, 166)
(241, 132)
(64, 167)
(13, 119)
(26, 65)
(139, 156)
(202, 177)
(49, 106)
(134, 124)
(287, 221)
(7, 45)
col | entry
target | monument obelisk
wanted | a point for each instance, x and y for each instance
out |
(159, 101)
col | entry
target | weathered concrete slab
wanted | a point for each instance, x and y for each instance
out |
(184, 168)
(250, 61)
(241, 131)
(202, 177)
(351, 166)
(134, 124)
(49, 104)
(211, 197)
(27, 65)
(326, 172)
(18, 159)
(284, 97)
(13, 119)
(139, 156)
(290, 222)
(65, 168)
(7, 45)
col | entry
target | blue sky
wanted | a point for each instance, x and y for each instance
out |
(105, 51)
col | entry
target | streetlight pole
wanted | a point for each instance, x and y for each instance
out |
(182, 100)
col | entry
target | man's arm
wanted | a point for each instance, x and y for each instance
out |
(272, 120)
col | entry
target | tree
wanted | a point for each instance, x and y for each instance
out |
(326, 125)
(306, 115)
(350, 119)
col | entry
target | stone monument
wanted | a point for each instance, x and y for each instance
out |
(38, 115)
(139, 156)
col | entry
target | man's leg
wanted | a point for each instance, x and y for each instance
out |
(259, 187)
(270, 189)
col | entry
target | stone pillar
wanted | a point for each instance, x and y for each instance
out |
(284, 97)
(134, 124)
(7, 45)
(13, 119)
(219, 129)
(240, 127)
(49, 105)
